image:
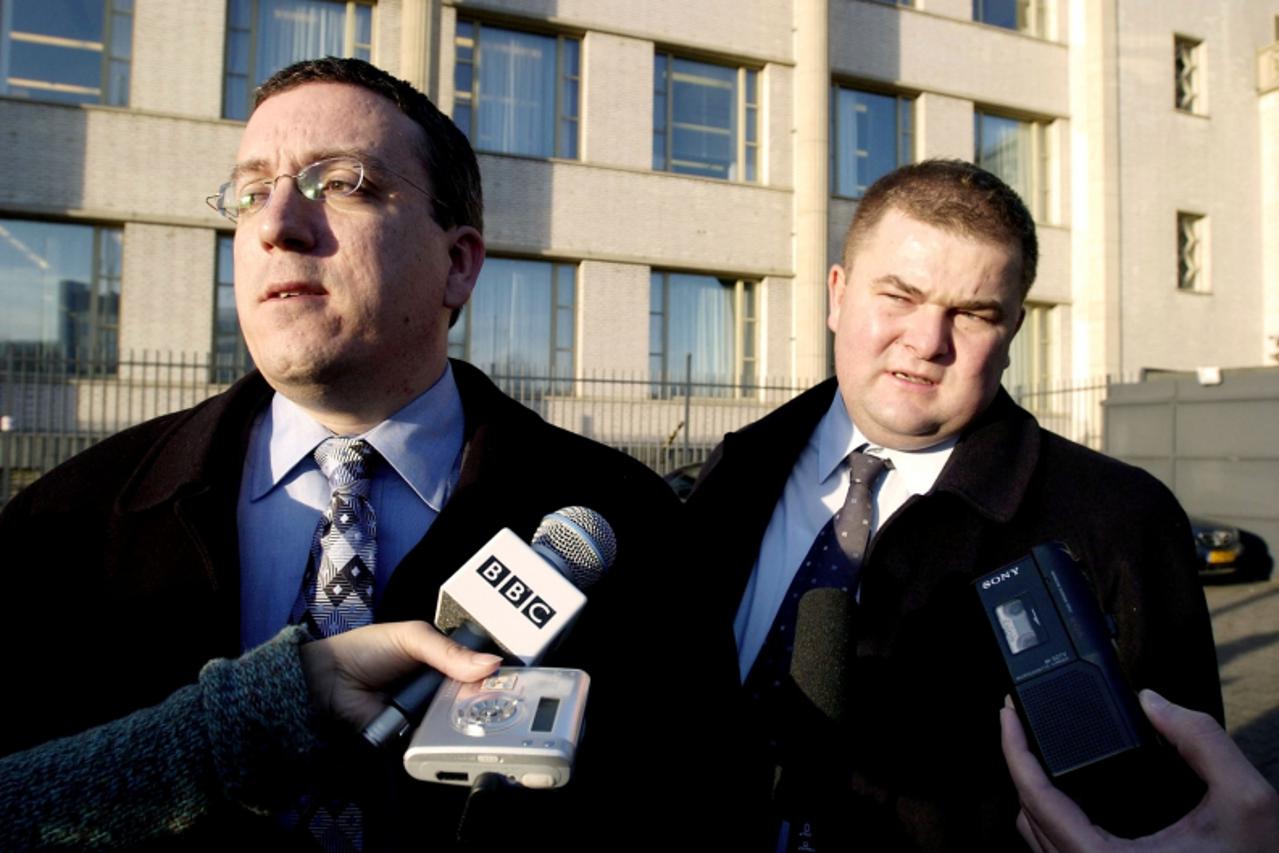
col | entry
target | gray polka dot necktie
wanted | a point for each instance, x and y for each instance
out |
(337, 589)
(833, 560)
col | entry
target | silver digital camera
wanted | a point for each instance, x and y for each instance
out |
(523, 723)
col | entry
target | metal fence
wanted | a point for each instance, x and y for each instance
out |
(52, 407)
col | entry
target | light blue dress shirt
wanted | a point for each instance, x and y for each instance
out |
(283, 493)
(813, 493)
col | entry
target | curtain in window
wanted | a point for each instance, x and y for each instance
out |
(1005, 149)
(517, 93)
(292, 30)
(510, 320)
(700, 321)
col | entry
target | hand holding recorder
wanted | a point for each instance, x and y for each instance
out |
(1240, 812)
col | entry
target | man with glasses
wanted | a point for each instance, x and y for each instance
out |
(341, 482)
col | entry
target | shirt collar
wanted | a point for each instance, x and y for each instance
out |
(422, 442)
(838, 436)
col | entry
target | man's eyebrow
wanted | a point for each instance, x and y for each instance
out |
(974, 305)
(258, 166)
(897, 284)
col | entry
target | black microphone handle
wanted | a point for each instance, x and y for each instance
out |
(409, 704)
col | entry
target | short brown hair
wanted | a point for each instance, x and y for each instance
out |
(952, 195)
(447, 154)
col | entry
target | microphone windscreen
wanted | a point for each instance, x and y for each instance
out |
(580, 543)
(824, 648)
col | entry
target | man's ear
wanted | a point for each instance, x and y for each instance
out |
(836, 284)
(466, 257)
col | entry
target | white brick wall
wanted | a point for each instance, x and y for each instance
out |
(617, 107)
(178, 49)
(614, 306)
(166, 297)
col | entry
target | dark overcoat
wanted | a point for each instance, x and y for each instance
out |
(123, 566)
(916, 762)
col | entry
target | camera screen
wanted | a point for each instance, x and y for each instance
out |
(544, 716)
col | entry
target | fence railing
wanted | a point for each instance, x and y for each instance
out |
(53, 407)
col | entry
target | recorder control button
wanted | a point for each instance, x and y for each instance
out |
(537, 780)
(488, 759)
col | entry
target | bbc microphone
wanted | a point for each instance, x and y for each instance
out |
(510, 596)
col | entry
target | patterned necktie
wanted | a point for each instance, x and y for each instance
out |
(337, 589)
(833, 560)
(336, 596)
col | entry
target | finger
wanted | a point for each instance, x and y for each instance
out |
(1028, 833)
(1042, 843)
(1022, 764)
(429, 646)
(1057, 822)
(1202, 743)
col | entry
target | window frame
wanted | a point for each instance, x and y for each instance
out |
(1032, 17)
(102, 341)
(905, 130)
(106, 94)
(350, 47)
(747, 165)
(1188, 94)
(664, 383)
(1038, 199)
(565, 145)
(1193, 245)
(561, 367)
(226, 370)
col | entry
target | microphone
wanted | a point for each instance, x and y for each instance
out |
(821, 662)
(509, 596)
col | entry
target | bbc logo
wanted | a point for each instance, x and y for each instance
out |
(516, 592)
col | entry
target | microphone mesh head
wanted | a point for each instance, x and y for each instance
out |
(582, 539)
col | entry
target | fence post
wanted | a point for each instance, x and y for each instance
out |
(688, 406)
(6, 474)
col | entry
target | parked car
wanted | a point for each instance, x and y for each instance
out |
(1226, 551)
(683, 478)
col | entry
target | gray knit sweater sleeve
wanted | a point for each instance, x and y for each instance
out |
(238, 736)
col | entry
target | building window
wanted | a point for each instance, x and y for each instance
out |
(1024, 16)
(517, 93)
(1030, 358)
(230, 356)
(60, 285)
(870, 136)
(1192, 252)
(263, 36)
(520, 321)
(1188, 82)
(73, 51)
(1016, 151)
(705, 119)
(703, 329)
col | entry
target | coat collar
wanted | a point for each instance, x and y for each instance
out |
(990, 469)
(194, 452)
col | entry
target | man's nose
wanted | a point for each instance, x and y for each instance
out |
(289, 220)
(928, 334)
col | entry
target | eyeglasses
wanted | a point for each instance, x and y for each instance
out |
(334, 180)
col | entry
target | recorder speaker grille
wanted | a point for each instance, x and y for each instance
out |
(1072, 720)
